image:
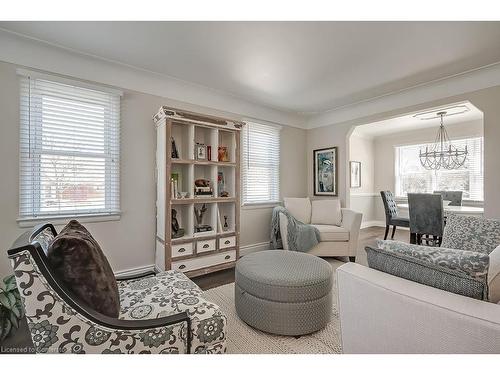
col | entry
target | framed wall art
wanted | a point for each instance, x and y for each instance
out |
(355, 167)
(325, 166)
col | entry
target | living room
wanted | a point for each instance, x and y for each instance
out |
(250, 187)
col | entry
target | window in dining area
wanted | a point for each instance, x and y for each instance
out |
(411, 177)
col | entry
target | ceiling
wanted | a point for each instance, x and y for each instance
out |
(409, 122)
(300, 67)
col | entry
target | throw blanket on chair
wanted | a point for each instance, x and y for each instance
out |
(300, 236)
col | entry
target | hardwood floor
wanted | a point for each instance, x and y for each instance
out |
(367, 237)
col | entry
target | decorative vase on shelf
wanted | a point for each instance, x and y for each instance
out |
(226, 226)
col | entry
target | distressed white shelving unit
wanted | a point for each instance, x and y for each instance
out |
(196, 253)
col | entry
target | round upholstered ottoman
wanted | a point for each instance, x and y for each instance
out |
(283, 292)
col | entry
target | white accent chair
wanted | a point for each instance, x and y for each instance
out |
(338, 227)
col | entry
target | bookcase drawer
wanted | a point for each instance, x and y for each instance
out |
(204, 246)
(225, 242)
(182, 249)
(204, 261)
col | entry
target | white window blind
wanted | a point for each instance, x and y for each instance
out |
(260, 163)
(69, 150)
(411, 177)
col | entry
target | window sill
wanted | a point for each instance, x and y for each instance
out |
(62, 220)
(256, 206)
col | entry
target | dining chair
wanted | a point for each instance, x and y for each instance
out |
(426, 218)
(455, 197)
(391, 214)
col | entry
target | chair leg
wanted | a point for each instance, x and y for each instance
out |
(419, 239)
(386, 232)
(352, 259)
(413, 238)
(393, 232)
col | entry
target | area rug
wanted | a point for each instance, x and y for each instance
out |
(243, 339)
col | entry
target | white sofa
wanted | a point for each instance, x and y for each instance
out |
(338, 227)
(381, 313)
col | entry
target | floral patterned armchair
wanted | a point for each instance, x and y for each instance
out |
(165, 313)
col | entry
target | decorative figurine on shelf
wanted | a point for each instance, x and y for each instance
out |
(175, 153)
(198, 214)
(222, 154)
(209, 153)
(221, 185)
(202, 187)
(226, 226)
(177, 231)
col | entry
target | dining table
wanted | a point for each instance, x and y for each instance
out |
(458, 210)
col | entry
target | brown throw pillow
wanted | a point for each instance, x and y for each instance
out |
(78, 261)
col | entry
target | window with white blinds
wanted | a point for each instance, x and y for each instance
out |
(260, 163)
(411, 177)
(69, 149)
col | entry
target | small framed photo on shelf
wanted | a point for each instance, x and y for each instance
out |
(355, 167)
(223, 154)
(200, 150)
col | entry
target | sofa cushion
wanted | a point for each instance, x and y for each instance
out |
(471, 233)
(458, 271)
(332, 233)
(300, 208)
(326, 211)
(77, 260)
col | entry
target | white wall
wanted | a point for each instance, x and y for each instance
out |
(362, 199)
(330, 136)
(129, 242)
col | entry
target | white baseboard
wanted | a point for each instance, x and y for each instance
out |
(372, 223)
(244, 250)
(130, 272)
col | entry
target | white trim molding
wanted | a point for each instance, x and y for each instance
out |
(372, 223)
(247, 249)
(63, 220)
(37, 54)
(19, 49)
(364, 194)
(469, 81)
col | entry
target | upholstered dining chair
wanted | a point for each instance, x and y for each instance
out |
(391, 214)
(455, 197)
(426, 218)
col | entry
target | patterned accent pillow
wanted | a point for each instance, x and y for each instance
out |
(472, 263)
(78, 261)
(471, 233)
(423, 272)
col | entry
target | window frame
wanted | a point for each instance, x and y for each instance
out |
(268, 203)
(397, 182)
(112, 174)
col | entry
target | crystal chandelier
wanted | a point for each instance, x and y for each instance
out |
(442, 154)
